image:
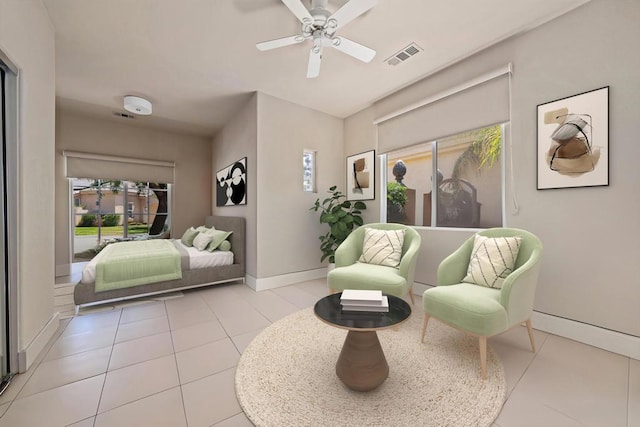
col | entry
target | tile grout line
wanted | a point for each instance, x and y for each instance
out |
(36, 364)
(526, 370)
(175, 360)
(228, 418)
(106, 372)
(126, 366)
(628, 389)
(237, 349)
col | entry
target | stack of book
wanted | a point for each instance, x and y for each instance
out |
(359, 300)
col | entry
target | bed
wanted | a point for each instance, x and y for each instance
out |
(85, 293)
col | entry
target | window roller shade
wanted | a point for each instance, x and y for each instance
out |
(474, 107)
(95, 166)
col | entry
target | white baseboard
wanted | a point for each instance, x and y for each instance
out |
(27, 356)
(419, 288)
(285, 279)
(616, 342)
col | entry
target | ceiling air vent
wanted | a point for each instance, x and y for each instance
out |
(124, 115)
(404, 54)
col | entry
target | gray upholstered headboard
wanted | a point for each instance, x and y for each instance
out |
(237, 238)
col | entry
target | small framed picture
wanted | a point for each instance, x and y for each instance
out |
(361, 176)
(573, 141)
(231, 184)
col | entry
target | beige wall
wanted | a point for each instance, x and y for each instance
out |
(287, 230)
(238, 139)
(191, 154)
(27, 38)
(282, 234)
(589, 234)
(360, 136)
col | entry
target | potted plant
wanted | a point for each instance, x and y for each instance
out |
(396, 200)
(342, 216)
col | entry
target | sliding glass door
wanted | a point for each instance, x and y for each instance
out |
(107, 210)
(8, 211)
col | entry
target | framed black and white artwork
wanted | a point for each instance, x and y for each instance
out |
(573, 141)
(231, 184)
(361, 176)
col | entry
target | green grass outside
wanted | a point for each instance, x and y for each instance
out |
(110, 231)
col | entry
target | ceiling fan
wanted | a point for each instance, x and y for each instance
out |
(320, 26)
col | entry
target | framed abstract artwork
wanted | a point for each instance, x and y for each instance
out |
(231, 184)
(361, 175)
(573, 141)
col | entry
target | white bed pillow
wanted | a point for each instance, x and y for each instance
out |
(201, 241)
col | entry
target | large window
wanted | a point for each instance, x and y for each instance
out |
(455, 181)
(112, 210)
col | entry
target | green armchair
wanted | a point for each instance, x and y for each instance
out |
(484, 311)
(350, 274)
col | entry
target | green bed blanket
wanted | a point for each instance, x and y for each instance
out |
(127, 264)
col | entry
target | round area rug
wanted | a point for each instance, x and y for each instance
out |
(286, 377)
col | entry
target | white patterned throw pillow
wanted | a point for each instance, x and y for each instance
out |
(201, 241)
(382, 247)
(492, 260)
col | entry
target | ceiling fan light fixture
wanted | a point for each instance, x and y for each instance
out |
(319, 26)
(137, 105)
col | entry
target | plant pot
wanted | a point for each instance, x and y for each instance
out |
(395, 214)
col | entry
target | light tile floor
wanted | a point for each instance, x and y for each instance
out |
(172, 363)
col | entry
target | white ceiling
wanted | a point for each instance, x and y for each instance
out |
(196, 60)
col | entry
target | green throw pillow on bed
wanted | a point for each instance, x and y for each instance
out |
(188, 236)
(224, 246)
(219, 236)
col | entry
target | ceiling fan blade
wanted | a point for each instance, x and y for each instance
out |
(298, 9)
(285, 41)
(351, 10)
(315, 56)
(354, 49)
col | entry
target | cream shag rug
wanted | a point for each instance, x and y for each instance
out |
(286, 377)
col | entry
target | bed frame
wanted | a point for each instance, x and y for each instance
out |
(85, 294)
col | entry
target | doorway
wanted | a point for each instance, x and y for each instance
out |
(8, 222)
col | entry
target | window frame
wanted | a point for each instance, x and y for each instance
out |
(126, 198)
(312, 188)
(434, 165)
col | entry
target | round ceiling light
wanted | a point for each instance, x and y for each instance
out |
(137, 105)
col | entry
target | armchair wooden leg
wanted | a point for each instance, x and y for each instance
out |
(424, 326)
(483, 356)
(411, 296)
(530, 330)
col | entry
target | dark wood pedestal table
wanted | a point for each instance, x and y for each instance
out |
(361, 365)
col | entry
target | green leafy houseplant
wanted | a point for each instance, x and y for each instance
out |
(342, 216)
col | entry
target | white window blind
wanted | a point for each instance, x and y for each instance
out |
(477, 103)
(98, 166)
